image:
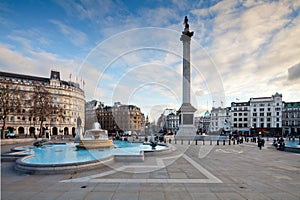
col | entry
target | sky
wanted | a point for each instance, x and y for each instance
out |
(130, 51)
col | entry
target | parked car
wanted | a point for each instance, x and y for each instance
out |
(10, 135)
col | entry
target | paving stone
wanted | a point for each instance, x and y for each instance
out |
(174, 195)
(126, 195)
(229, 196)
(206, 196)
(98, 195)
(153, 195)
(73, 195)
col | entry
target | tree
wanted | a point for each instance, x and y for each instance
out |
(9, 103)
(43, 108)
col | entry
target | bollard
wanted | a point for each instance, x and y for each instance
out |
(229, 142)
(210, 142)
(175, 141)
(181, 141)
(189, 142)
(217, 142)
(203, 142)
(165, 141)
(196, 142)
(233, 142)
(170, 141)
(223, 142)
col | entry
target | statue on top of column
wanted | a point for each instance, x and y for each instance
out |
(186, 27)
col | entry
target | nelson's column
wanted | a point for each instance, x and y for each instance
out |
(187, 130)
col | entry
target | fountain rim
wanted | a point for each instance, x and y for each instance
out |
(33, 168)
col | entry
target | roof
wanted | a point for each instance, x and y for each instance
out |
(206, 113)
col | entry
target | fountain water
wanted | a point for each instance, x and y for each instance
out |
(95, 138)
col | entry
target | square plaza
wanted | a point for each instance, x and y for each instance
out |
(190, 172)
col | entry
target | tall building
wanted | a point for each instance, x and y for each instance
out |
(169, 120)
(66, 96)
(266, 114)
(240, 117)
(90, 113)
(203, 122)
(291, 118)
(220, 120)
(121, 118)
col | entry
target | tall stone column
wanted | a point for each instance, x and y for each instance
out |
(187, 130)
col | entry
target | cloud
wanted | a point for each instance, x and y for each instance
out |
(36, 63)
(77, 37)
(294, 72)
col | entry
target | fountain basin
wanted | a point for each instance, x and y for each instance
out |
(95, 138)
(53, 159)
(292, 146)
(95, 144)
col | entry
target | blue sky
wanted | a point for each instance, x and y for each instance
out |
(130, 51)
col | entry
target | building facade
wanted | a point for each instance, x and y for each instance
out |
(168, 120)
(203, 123)
(121, 118)
(220, 120)
(291, 118)
(240, 117)
(266, 115)
(67, 96)
(90, 113)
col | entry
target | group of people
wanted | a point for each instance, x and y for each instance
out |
(279, 143)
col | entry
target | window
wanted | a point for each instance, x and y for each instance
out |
(268, 114)
(234, 114)
(268, 119)
(254, 119)
(254, 114)
(261, 109)
(268, 125)
(261, 114)
(240, 114)
(261, 124)
(245, 114)
(245, 119)
(254, 109)
(240, 119)
(235, 119)
(245, 125)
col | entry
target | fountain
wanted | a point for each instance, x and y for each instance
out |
(95, 138)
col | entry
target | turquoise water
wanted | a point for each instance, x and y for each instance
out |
(291, 143)
(68, 153)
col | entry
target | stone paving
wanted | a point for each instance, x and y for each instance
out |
(197, 172)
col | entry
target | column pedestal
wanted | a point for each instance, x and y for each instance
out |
(187, 130)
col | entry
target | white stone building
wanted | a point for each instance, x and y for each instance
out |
(66, 95)
(220, 120)
(240, 117)
(266, 114)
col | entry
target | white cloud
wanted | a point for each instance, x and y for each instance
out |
(77, 37)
